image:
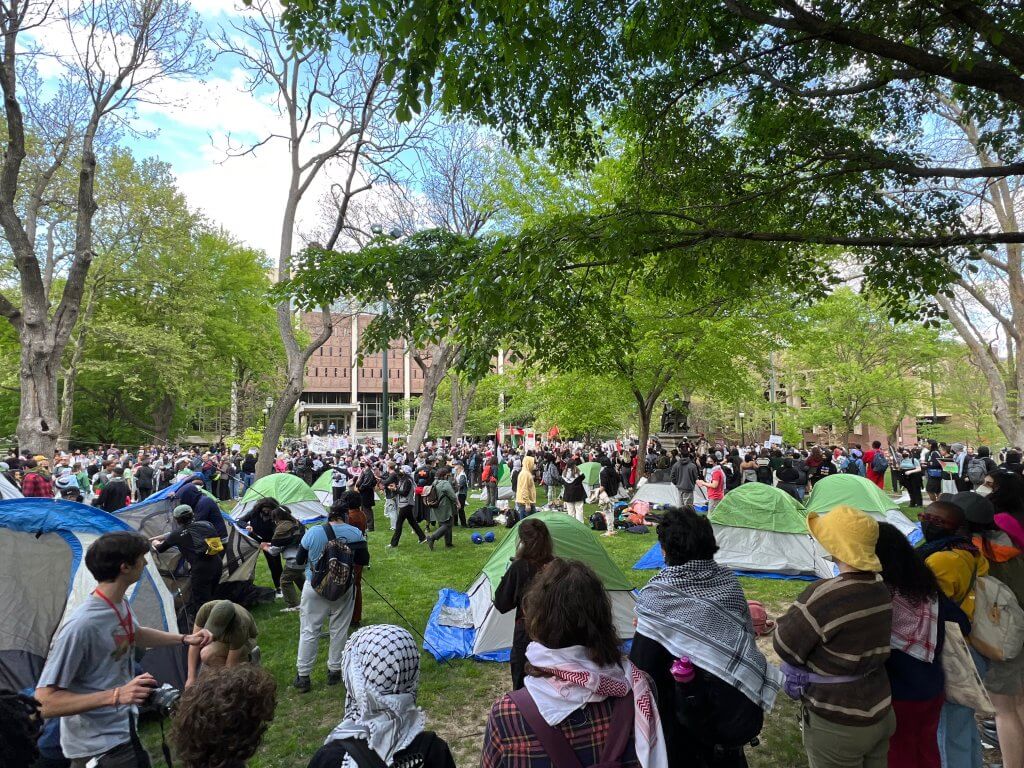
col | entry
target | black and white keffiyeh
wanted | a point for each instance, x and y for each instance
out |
(382, 675)
(699, 610)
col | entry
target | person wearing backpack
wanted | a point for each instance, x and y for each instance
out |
(997, 525)
(957, 564)
(443, 510)
(695, 608)
(583, 703)
(979, 466)
(405, 494)
(331, 552)
(876, 463)
(202, 548)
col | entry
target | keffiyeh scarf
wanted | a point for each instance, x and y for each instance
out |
(915, 628)
(382, 675)
(699, 610)
(576, 681)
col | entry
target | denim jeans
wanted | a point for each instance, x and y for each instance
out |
(248, 478)
(959, 742)
(525, 510)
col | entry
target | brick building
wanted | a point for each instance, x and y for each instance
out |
(334, 391)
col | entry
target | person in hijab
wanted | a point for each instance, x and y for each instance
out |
(696, 609)
(381, 669)
(580, 696)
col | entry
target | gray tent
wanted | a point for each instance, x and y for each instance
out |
(658, 495)
(8, 490)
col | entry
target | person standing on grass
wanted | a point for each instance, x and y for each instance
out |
(714, 486)
(534, 551)
(314, 609)
(875, 464)
(839, 675)
(406, 497)
(919, 615)
(574, 494)
(526, 489)
(89, 678)
(284, 543)
(259, 522)
(444, 512)
(461, 484)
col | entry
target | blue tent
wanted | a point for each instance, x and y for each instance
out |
(43, 578)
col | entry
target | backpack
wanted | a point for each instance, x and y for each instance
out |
(204, 538)
(762, 624)
(404, 486)
(998, 631)
(332, 574)
(430, 497)
(598, 523)
(852, 467)
(976, 471)
(879, 463)
(483, 517)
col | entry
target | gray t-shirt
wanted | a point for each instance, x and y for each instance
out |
(91, 654)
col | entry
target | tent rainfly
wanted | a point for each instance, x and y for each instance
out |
(323, 488)
(860, 493)
(762, 532)
(288, 490)
(469, 625)
(43, 578)
(658, 495)
(9, 490)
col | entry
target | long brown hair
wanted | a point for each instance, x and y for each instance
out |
(567, 605)
(535, 545)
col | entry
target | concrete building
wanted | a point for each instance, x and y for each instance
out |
(351, 396)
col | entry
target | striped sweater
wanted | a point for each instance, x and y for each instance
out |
(841, 626)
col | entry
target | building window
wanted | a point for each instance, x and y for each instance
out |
(370, 404)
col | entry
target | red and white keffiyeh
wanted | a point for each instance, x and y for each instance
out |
(915, 628)
(576, 681)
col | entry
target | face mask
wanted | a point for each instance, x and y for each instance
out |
(983, 490)
(933, 532)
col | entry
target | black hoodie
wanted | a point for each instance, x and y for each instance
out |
(204, 507)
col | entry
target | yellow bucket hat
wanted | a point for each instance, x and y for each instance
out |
(848, 535)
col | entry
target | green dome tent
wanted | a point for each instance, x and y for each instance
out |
(289, 490)
(591, 472)
(573, 541)
(764, 530)
(323, 488)
(860, 493)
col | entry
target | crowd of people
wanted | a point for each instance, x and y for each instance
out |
(867, 653)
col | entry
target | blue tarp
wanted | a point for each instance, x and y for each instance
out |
(50, 515)
(654, 560)
(446, 643)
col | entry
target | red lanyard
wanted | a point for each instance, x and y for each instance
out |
(126, 622)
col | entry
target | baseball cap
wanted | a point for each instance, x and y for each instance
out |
(220, 618)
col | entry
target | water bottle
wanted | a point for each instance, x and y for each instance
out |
(683, 670)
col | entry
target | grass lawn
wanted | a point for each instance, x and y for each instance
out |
(455, 696)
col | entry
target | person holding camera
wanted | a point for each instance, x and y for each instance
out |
(89, 678)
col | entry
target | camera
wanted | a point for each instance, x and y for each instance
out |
(163, 700)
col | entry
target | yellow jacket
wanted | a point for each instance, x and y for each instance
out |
(955, 570)
(526, 491)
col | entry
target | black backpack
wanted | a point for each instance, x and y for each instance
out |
(483, 517)
(598, 523)
(332, 574)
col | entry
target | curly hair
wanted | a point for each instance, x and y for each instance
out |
(243, 694)
(20, 726)
(567, 605)
(685, 536)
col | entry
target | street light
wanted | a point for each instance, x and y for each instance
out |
(743, 439)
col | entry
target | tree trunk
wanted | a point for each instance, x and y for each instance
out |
(163, 416)
(38, 423)
(462, 400)
(233, 429)
(278, 415)
(440, 359)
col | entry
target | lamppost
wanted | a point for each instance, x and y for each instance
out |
(743, 439)
(385, 412)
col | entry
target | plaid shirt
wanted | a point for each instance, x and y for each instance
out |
(510, 743)
(36, 485)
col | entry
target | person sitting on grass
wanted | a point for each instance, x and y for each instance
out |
(234, 638)
(245, 695)
(581, 696)
(382, 724)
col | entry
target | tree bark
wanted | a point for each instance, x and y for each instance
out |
(38, 422)
(441, 359)
(462, 400)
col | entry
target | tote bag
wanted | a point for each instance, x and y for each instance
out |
(963, 683)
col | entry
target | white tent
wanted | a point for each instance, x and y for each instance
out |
(658, 495)
(8, 490)
(572, 540)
